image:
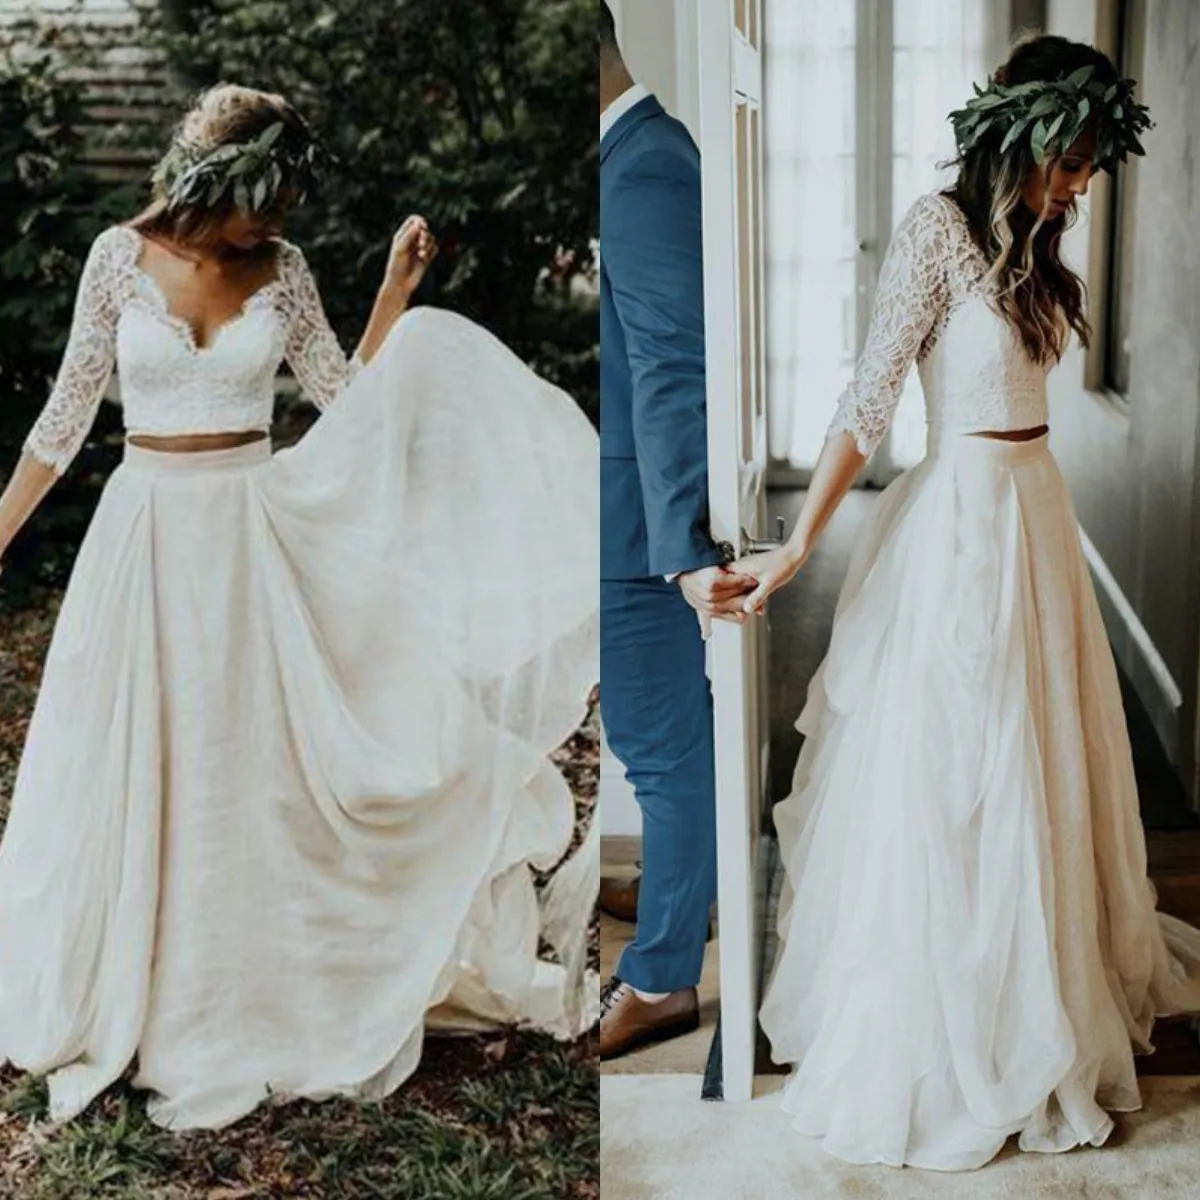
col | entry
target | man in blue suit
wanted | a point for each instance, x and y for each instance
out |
(662, 577)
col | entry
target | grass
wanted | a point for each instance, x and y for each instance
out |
(505, 1116)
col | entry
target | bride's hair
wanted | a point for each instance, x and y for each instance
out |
(223, 114)
(1038, 294)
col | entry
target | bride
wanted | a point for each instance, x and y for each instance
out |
(969, 943)
(287, 776)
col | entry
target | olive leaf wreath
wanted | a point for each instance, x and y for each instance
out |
(251, 173)
(1056, 112)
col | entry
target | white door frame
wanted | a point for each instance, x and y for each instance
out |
(730, 76)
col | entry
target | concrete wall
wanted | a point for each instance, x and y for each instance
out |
(658, 40)
(1132, 467)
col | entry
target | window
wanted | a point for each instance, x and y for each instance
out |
(857, 96)
(1127, 19)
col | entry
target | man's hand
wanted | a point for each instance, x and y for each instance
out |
(770, 571)
(715, 592)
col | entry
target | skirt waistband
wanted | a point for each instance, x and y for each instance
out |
(944, 444)
(170, 462)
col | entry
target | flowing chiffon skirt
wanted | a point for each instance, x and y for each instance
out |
(287, 774)
(970, 947)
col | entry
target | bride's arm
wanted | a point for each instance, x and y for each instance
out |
(87, 363)
(312, 349)
(413, 248)
(23, 493)
(908, 301)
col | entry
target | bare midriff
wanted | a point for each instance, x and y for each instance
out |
(193, 442)
(1013, 435)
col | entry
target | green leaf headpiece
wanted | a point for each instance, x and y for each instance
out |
(250, 173)
(1054, 114)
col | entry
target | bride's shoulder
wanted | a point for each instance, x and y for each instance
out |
(120, 242)
(288, 255)
(112, 257)
(932, 225)
(934, 210)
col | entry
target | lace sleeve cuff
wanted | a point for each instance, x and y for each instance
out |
(855, 419)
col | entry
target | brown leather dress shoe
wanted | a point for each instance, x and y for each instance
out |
(627, 1021)
(619, 898)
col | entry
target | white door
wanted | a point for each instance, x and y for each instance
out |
(729, 34)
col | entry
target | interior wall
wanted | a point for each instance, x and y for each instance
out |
(658, 41)
(1132, 467)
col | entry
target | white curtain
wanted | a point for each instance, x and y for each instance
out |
(938, 48)
(809, 106)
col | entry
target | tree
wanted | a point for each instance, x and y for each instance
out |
(481, 114)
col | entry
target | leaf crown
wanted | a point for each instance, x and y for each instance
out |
(1056, 112)
(250, 173)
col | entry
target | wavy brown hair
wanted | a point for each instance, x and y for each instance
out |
(223, 113)
(1037, 293)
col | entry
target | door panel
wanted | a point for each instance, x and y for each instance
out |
(730, 61)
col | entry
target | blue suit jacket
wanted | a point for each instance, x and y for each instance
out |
(653, 431)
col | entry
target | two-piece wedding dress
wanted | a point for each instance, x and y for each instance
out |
(287, 774)
(969, 942)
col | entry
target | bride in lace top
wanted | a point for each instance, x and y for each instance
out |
(288, 779)
(174, 385)
(969, 947)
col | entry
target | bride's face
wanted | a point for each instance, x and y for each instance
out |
(244, 231)
(1051, 196)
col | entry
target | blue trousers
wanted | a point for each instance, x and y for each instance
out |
(656, 706)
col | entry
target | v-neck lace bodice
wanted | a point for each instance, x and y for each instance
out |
(154, 291)
(932, 307)
(171, 385)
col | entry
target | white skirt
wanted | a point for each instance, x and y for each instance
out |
(287, 775)
(970, 945)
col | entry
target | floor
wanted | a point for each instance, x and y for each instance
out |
(685, 1054)
(659, 1141)
(801, 620)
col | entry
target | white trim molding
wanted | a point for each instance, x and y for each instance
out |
(1136, 652)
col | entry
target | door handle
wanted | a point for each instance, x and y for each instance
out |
(752, 545)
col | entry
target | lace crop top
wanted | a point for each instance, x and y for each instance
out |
(931, 306)
(169, 384)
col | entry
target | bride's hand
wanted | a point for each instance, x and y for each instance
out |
(413, 248)
(772, 570)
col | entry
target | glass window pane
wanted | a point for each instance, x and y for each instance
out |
(811, 249)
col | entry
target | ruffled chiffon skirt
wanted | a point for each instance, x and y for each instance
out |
(970, 947)
(287, 775)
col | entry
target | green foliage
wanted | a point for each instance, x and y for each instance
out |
(480, 114)
(1054, 114)
(51, 212)
(250, 175)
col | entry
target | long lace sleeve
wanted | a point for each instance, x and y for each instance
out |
(910, 295)
(87, 363)
(312, 349)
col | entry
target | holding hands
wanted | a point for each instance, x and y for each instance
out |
(736, 591)
(768, 572)
(715, 592)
